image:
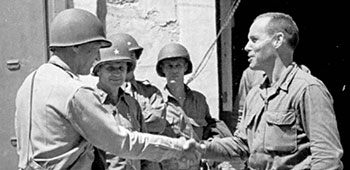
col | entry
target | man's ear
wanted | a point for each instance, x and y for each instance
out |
(98, 73)
(186, 66)
(279, 38)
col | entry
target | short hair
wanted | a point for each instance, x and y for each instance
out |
(281, 22)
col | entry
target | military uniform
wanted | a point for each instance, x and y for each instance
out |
(152, 104)
(127, 113)
(59, 120)
(69, 120)
(276, 127)
(193, 120)
(189, 117)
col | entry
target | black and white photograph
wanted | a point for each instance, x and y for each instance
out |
(173, 85)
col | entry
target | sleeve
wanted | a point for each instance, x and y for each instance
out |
(216, 129)
(243, 90)
(320, 124)
(98, 127)
(230, 147)
(141, 119)
(154, 113)
(225, 149)
(207, 110)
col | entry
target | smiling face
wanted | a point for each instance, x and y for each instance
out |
(174, 69)
(260, 48)
(112, 75)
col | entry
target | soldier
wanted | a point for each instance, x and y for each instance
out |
(58, 120)
(115, 64)
(288, 120)
(148, 95)
(187, 111)
(249, 79)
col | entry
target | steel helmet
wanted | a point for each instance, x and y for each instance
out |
(75, 27)
(118, 52)
(173, 50)
(131, 42)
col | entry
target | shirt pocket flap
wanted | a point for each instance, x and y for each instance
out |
(280, 117)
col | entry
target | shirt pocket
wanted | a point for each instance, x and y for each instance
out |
(280, 133)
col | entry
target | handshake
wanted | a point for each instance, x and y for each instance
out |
(190, 159)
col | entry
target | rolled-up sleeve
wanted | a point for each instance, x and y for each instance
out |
(98, 127)
(321, 127)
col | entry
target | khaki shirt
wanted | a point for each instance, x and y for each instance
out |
(151, 102)
(290, 125)
(194, 114)
(127, 113)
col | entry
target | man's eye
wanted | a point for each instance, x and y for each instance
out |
(111, 68)
(254, 40)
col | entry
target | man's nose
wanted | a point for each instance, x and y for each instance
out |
(247, 47)
(116, 71)
(174, 69)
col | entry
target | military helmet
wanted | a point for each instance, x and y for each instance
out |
(75, 27)
(118, 52)
(131, 42)
(173, 50)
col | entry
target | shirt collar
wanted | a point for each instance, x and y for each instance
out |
(105, 98)
(167, 93)
(286, 78)
(55, 60)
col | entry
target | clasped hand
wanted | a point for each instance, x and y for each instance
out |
(192, 154)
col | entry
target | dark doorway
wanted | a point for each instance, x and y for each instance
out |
(322, 45)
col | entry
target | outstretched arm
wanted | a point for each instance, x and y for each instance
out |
(98, 127)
